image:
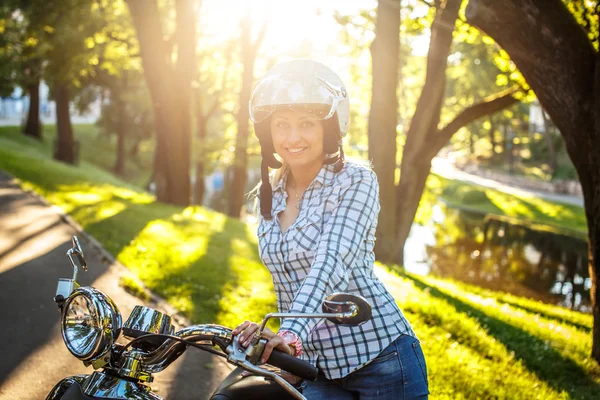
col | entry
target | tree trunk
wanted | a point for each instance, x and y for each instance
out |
(549, 136)
(491, 134)
(170, 92)
(424, 121)
(560, 64)
(383, 120)
(471, 143)
(413, 185)
(121, 126)
(200, 187)
(240, 167)
(238, 183)
(33, 127)
(184, 73)
(65, 145)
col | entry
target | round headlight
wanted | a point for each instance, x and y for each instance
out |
(90, 323)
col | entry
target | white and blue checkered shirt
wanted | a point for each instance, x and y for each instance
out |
(329, 248)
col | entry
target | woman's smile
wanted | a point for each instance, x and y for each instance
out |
(298, 139)
(296, 150)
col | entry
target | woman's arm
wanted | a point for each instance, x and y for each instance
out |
(337, 249)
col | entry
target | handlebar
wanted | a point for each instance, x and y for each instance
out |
(216, 335)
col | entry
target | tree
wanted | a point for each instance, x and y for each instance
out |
(119, 73)
(249, 51)
(425, 138)
(64, 31)
(169, 83)
(207, 104)
(20, 63)
(383, 117)
(561, 63)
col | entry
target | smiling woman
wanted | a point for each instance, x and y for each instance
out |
(316, 238)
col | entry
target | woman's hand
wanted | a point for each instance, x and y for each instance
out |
(246, 332)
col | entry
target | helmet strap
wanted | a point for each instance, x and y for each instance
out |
(266, 192)
(338, 160)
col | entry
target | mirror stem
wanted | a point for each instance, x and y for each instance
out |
(352, 312)
(75, 269)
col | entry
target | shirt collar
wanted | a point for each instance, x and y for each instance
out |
(324, 178)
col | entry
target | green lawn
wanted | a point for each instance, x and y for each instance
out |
(479, 344)
(95, 148)
(524, 208)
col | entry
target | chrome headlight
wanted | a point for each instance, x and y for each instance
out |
(90, 324)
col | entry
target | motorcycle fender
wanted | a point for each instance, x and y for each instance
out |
(61, 387)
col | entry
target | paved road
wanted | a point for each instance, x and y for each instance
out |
(445, 168)
(33, 242)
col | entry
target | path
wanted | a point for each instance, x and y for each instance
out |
(33, 242)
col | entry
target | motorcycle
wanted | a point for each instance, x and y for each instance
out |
(91, 324)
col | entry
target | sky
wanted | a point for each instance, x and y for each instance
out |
(291, 23)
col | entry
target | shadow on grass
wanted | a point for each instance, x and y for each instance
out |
(118, 230)
(561, 373)
(213, 271)
(547, 315)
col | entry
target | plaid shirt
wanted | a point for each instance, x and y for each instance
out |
(329, 248)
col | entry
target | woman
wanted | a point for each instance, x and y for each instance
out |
(316, 237)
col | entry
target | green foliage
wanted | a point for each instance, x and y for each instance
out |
(587, 14)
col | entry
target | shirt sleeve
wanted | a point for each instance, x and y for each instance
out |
(337, 249)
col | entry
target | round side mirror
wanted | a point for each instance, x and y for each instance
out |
(78, 251)
(356, 307)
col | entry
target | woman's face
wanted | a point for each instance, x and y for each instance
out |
(298, 139)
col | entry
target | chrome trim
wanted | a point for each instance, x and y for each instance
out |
(133, 367)
(170, 350)
(263, 324)
(105, 386)
(109, 321)
(61, 387)
(148, 320)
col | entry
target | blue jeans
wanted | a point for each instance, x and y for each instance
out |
(398, 372)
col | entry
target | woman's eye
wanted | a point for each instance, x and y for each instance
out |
(307, 124)
(282, 125)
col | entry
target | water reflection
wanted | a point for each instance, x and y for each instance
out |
(536, 261)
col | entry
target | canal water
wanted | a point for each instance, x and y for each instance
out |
(532, 260)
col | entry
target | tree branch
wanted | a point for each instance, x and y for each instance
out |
(550, 49)
(487, 106)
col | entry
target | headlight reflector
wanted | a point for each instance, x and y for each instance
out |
(90, 323)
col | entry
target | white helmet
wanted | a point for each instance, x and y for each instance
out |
(305, 86)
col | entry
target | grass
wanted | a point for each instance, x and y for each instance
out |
(166, 246)
(492, 201)
(479, 344)
(95, 148)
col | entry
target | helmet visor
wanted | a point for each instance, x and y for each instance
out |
(310, 96)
